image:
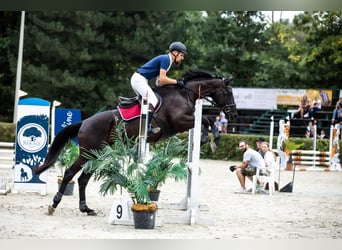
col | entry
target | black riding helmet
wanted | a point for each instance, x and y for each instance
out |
(178, 46)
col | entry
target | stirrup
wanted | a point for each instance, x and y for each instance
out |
(153, 130)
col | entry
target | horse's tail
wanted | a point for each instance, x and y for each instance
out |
(58, 144)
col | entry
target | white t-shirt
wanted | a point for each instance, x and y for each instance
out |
(254, 159)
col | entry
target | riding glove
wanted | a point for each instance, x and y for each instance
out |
(180, 82)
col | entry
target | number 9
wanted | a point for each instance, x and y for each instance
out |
(119, 211)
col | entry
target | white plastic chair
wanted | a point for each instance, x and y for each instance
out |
(263, 179)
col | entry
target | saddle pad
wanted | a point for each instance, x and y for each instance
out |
(129, 113)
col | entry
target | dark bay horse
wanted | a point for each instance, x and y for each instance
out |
(175, 115)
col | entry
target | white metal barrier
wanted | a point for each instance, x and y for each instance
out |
(7, 154)
(310, 159)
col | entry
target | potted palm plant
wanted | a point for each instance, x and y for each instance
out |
(67, 157)
(161, 166)
(117, 166)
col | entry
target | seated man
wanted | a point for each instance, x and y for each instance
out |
(251, 161)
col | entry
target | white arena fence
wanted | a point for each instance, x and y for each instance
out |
(7, 154)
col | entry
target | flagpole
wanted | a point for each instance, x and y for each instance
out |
(19, 66)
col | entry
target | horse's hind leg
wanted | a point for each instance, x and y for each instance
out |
(68, 175)
(82, 183)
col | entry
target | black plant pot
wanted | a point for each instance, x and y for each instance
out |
(154, 195)
(144, 219)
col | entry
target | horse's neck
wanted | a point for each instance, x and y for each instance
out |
(204, 87)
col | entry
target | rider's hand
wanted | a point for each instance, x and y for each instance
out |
(180, 82)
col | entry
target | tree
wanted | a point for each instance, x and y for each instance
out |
(321, 59)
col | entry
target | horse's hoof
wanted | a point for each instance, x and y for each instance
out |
(91, 212)
(51, 210)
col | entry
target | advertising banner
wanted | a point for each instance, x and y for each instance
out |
(65, 117)
(255, 98)
(31, 144)
(292, 97)
(270, 99)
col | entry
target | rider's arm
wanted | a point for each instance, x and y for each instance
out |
(164, 79)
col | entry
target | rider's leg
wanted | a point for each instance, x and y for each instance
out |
(150, 128)
(141, 87)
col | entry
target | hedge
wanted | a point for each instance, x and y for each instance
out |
(228, 148)
(7, 132)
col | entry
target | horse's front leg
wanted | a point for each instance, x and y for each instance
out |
(82, 183)
(205, 130)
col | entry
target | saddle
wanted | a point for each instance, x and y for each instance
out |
(130, 107)
(126, 102)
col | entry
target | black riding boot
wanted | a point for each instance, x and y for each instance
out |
(150, 129)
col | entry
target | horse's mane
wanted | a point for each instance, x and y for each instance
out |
(198, 73)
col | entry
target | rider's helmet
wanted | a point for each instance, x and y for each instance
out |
(178, 46)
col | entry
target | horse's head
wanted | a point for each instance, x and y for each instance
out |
(215, 87)
(223, 97)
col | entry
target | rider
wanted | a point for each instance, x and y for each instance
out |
(157, 67)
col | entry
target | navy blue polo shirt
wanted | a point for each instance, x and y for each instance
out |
(151, 69)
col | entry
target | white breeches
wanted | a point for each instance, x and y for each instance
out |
(141, 87)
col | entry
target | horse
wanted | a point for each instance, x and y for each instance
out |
(175, 115)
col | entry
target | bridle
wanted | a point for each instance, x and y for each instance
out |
(227, 108)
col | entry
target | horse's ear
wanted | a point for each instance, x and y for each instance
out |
(228, 79)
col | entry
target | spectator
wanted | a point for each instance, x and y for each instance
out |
(224, 122)
(337, 110)
(269, 156)
(309, 132)
(218, 123)
(316, 106)
(325, 98)
(339, 119)
(259, 142)
(322, 134)
(304, 107)
(251, 161)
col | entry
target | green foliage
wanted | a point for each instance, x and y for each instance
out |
(291, 145)
(117, 166)
(67, 157)
(7, 132)
(161, 166)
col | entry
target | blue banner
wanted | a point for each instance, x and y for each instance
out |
(31, 143)
(64, 117)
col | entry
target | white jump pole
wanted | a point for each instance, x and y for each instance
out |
(314, 142)
(190, 202)
(194, 164)
(331, 140)
(142, 150)
(271, 131)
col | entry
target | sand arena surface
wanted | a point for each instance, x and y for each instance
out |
(312, 211)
